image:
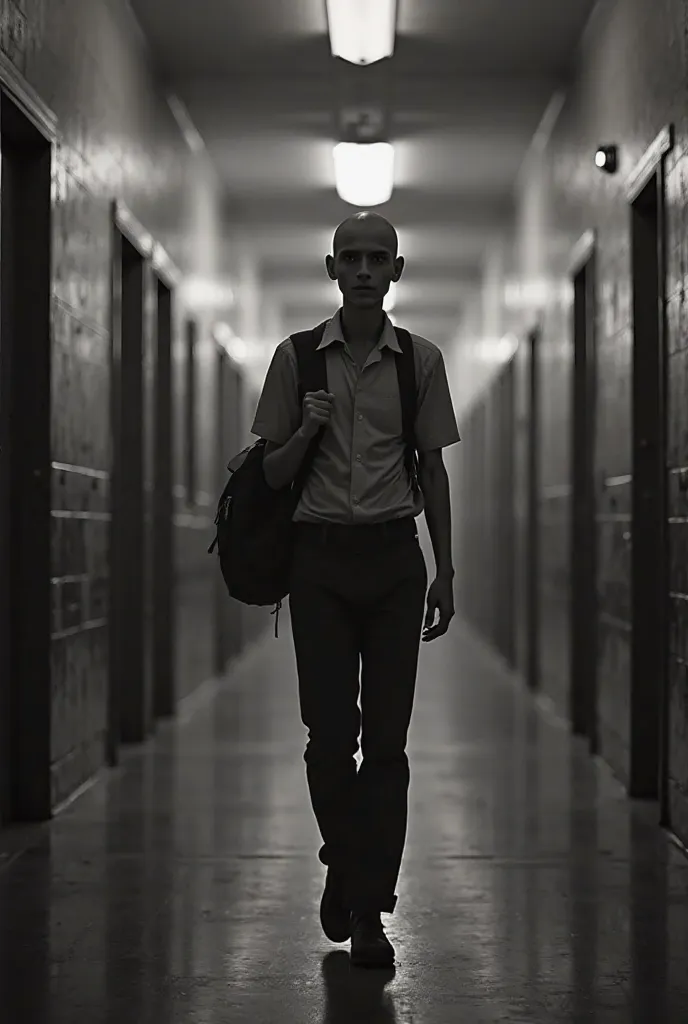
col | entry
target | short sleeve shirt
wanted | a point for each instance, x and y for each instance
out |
(359, 474)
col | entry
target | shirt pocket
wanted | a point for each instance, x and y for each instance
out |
(383, 413)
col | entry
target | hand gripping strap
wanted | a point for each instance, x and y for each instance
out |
(312, 376)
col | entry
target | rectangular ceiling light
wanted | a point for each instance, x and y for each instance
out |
(362, 31)
(364, 172)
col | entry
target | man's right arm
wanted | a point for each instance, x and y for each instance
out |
(279, 419)
(287, 427)
(281, 463)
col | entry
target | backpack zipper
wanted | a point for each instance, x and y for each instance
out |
(275, 611)
(222, 513)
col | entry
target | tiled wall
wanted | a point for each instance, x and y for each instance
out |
(88, 63)
(677, 444)
(631, 82)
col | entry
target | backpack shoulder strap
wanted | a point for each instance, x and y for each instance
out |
(312, 365)
(312, 376)
(408, 392)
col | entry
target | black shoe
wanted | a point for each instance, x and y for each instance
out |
(335, 918)
(370, 947)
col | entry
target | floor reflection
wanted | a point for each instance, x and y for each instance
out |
(354, 994)
(184, 887)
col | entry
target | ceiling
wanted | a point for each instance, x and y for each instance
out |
(462, 98)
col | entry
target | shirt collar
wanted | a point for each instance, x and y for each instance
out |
(333, 332)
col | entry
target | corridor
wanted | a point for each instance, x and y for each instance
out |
(172, 176)
(184, 886)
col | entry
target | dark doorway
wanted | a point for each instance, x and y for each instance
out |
(228, 616)
(532, 546)
(505, 511)
(583, 538)
(164, 691)
(190, 345)
(649, 594)
(25, 467)
(131, 697)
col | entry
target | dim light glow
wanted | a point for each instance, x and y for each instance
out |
(497, 350)
(236, 348)
(362, 31)
(207, 293)
(390, 298)
(364, 172)
(537, 293)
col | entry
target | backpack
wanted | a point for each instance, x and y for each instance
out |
(254, 527)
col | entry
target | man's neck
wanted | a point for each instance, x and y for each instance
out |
(364, 326)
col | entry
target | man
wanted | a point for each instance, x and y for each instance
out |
(359, 580)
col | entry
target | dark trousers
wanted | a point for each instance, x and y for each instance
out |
(357, 601)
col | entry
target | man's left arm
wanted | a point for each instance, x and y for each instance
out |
(434, 483)
(436, 428)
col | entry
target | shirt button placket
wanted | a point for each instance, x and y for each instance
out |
(359, 418)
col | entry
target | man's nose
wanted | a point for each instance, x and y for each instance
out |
(363, 271)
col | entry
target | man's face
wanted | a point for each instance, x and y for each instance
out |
(364, 266)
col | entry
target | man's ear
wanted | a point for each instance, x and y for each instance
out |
(329, 264)
(398, 268)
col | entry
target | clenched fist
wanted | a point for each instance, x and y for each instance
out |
(317, 409)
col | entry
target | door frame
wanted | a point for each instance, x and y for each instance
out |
(166, 276)
(24, 96)
(649, 756)
(120, 638)
(156, 265)
(25, 726)
(583, 529)
(532, 545)
(505, 464)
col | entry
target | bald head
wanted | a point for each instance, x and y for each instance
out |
(372, 226)
(365, 262)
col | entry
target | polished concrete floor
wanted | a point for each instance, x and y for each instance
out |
(184, 886)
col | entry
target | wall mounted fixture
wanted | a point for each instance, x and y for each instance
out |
(364, 172)
(606, 158)
(362, 31)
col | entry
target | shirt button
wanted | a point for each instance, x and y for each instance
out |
(360, 416)
(358, 458)
(355, 501)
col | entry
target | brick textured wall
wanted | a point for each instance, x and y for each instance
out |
(631, 82)
(87, 61)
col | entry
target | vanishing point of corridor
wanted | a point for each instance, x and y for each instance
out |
(184, 888)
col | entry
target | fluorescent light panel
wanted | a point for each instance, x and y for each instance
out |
(362, 31)
(364, 172)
